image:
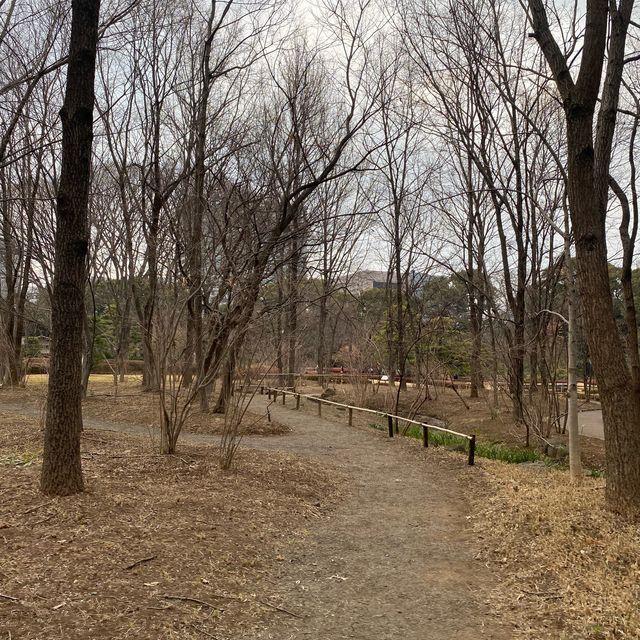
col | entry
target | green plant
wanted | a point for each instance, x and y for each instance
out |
(24, 459)
(492, 451)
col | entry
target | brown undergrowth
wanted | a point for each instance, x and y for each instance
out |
(157, 547)
(569, 569)
(142, 409)
(128, 404)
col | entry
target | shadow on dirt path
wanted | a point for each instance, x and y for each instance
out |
(394, 561)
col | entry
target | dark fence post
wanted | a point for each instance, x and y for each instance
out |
(284, 398)
(350, 417)
(269, 392)
(425, 435)
(472, 450)
(298, 402)
(319, 409)
(261, 390)
(390, 422)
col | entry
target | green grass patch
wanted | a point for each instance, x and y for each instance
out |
(24, 459)
(512, 455)
(495, 451)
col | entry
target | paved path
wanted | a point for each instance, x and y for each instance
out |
(590, 424)
(394, 561)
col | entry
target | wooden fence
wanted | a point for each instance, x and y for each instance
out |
(274, 392)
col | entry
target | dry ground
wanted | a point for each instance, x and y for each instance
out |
(323, 533)
(271, 544)
(569, 568)
(66, 564)
(128, 404)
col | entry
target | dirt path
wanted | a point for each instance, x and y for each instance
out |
(394, 561)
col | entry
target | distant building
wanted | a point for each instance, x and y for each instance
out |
(365, 280)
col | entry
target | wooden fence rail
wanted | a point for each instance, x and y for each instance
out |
(273, 393)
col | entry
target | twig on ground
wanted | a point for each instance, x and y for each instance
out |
(203, 632)
(273, 606)
(39, 506)
(547, 595)
(6, 597)
(86, 437)
(137, 563)
(194, 600)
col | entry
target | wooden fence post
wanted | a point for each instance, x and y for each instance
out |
(319, 409)
(390, 422)
(350, 417)
(425, 435)
(298, 402)
(284, 398)
(472, 450)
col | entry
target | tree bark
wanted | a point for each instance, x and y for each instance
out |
(589, 159)
(292, 308)
(226, 388)
(61, 467)
(575, 462)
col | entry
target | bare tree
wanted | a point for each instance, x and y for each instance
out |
(61, 467)
(588, 158)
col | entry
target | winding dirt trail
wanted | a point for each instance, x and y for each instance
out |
(394, 561)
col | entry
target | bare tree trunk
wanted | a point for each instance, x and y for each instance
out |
(322, 333)
(494, 364)
(150, 380)
(292, 308)
(61, 465)
(575, 463)
(124, 337)
(279, 331)
(589, 159)
(226, 389)
(476, 350)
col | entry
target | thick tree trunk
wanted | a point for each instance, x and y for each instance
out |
(618, 395)
(226, 389)
(61, 466)
(575, 462)
(589, 161)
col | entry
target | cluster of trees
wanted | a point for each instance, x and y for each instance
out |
(218, 171)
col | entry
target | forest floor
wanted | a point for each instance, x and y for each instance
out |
(323, 532)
